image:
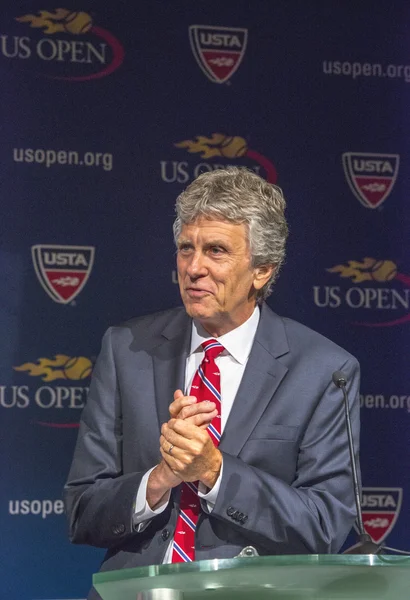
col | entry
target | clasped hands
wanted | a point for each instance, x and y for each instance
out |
(193, 456)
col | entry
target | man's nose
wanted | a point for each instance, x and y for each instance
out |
(196, 267)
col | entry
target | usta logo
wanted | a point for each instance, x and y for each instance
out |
(378, 501)
(218, 50)
(63, 271)
(381, 508)
(73, 259)
(371, 176)
(373, 166)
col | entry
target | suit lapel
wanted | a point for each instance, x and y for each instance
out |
(262, 376)
(169, 361)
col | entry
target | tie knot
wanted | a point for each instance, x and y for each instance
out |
(212, 349)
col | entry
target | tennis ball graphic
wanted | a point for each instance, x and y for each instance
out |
(77, 22)
(78, 367)
(383, 270)
(233, 146)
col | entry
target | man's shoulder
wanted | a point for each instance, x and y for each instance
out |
(302, 339)
(156, 319)
(307, 338)
(148, 328)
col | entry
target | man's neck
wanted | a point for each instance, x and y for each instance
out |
(216, 330)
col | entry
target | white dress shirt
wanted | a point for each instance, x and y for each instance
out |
(231, 363)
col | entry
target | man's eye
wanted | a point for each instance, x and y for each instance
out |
(184, 247)
(217, 250)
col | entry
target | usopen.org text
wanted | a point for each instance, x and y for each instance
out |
(381, 401)
(49, 158)
(355, 70)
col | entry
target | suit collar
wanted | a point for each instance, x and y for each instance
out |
(263, 375)
(237, 342)
(271, 333)
(177, 325)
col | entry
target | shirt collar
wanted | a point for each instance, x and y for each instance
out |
(237, 342)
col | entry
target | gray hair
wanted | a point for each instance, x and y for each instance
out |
(238, 195)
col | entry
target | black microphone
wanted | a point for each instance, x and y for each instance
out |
(365, 544)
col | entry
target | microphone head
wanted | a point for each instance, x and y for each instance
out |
(339, 379)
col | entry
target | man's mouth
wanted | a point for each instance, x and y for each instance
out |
(197, 292)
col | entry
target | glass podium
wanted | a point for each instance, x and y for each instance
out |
(307, 577)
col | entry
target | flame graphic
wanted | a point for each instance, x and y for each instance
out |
(61, 367)
(377, 522)
(67, 281)
(369, 269)
(61, 19)
(374, 187)
(218, 144)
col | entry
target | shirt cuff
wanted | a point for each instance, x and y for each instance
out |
(142, 512)
(210, 495)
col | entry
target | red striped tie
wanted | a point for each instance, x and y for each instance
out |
(206, 385)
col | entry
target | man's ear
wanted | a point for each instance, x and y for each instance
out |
(262, 274)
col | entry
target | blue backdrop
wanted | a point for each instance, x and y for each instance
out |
(108, 111)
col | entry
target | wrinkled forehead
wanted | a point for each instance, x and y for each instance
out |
(211, 230)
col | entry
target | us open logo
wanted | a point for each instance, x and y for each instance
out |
(218, 50)
(371, 177)
(62, 271)
(61, 44)
(377, 286)
(218, 151)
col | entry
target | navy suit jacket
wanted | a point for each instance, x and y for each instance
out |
(286, 484)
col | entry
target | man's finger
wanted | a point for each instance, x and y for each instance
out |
(169, 448)
(178, 394)
(170, 437)
(185, 429)
(179, 403)
(178, 458)
(202, 420)
(194, 409)
(172, 463)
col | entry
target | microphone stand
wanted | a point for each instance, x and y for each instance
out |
(365, 544)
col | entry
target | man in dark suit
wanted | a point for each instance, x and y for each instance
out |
(280, 478)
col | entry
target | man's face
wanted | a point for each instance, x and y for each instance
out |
(216, 280)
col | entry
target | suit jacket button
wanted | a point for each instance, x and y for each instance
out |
(118, 529)
(230, 511)
(165, 534)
